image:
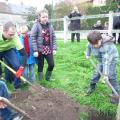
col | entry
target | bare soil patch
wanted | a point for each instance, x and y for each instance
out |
(47, 104)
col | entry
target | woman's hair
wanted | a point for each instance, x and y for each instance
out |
(42, 11)
(94, 36)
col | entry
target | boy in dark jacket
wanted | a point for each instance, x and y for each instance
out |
(43, 43)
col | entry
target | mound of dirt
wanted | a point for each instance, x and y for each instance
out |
(46, 104)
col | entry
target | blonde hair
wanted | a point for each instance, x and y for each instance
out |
(42, 11)
(23, 29)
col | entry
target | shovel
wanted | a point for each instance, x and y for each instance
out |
(7, 102)
(35, 87)
(116, 95)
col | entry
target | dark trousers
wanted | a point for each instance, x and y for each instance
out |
(73, 37)
(11, 58)
(49, 59)
(0, 70)
(5, 113)
(117, 40)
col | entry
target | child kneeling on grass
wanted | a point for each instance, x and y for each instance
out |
(106, 54)
(5, 112)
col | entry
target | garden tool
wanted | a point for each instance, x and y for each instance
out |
(21, 77)
(7, 102)
(116, 95)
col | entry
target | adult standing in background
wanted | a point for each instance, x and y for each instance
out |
(116, 22)
(98, 26)
(75, 24)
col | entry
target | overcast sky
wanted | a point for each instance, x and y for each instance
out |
(38, 3)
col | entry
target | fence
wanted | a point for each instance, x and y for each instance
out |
(65, 33)
(65, 22)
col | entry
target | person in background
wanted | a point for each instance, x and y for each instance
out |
(6, 112)
(106, 25)
(116, 23)
(28, 73)
(107, 56)
(44, 44)
(9, 42)
(75, 24)
(98, 26)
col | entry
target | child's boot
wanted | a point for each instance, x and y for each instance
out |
(114, 98)
(91, 89)
(40, 75)
(48, 75)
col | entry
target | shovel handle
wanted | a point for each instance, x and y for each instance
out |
(106, 80)
(14, 72)
(21, 77)
(7, 102)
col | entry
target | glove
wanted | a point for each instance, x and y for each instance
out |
(105, 77)
(54, 52)
(35, 54)
(19, 72)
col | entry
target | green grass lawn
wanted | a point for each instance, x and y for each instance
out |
(72, 73)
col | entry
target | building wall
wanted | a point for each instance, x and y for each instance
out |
(99, 2)
(9, 17)
(79, 1)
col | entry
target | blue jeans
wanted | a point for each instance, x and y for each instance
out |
(96, 76)
(9, 76)
(29, 73)
(0, 71)
(5, 113)
(11, 58)
(111, 74)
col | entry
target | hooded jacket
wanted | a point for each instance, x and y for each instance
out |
(106, 54)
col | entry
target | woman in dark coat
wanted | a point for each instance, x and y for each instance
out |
(75, 24)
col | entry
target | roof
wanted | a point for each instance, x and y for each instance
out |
(14, 9)
(4, 7)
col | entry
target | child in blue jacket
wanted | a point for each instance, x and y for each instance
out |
(28, 73)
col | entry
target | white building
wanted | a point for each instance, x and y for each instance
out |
(99, 2)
